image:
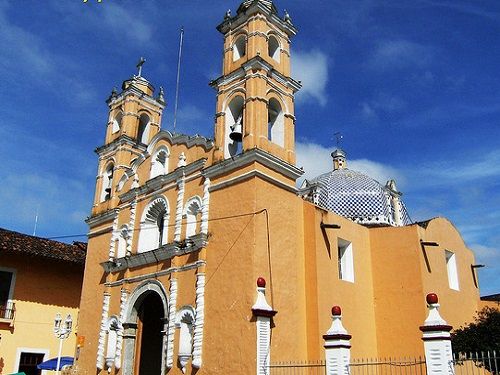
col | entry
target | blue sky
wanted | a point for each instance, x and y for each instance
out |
(412, 85)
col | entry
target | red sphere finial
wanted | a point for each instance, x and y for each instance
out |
(431, 298)
(336, 311)
(261, 282)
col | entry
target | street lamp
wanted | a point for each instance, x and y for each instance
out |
(62, 331)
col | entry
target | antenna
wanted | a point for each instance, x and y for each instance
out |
(178, 76)
(36, 220)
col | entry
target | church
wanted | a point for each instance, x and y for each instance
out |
(183, 226)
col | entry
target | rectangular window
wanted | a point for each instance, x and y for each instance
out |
(346, 263)
(451, 266)
(7, 280)
(28, 363)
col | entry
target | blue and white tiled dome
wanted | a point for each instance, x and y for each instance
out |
(356, 196)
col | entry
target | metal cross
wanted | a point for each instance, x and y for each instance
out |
(139, 65)
(339, 137)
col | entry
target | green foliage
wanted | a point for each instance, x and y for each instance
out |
(482, 335)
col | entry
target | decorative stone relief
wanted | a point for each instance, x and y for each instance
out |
(133, 211)
(102, 332)
(171, 322)
(205, 206)
(119, 341)
(114, 237)
(178, 212)
(199, 320)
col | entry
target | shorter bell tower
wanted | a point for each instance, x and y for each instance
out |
(255, 94)
(134, 119)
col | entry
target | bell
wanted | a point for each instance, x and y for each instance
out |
(236, 132)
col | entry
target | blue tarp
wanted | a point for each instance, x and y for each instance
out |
(51, 364)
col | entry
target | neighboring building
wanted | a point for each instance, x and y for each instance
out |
(38, 279)
(182, 226)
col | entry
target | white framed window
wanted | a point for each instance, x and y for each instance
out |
(240, 47)
(107, 182)
(159, 162)
(143, 130)
(7, 282)
(154, 225)
(273, 48)
(28, 358)
(192, 213)
(346, 261)
(275, 123)
(451, 267)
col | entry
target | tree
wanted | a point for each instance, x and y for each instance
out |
(482, 335)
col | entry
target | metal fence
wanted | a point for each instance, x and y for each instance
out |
(482, 363)
(298, 368)
(389, 366)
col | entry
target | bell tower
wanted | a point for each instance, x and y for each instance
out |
(134, 119)
(255, 94)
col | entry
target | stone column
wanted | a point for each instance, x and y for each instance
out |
(337, 346)
(437, 340)
(263, 313)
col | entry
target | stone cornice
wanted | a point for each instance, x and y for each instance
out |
(178, 138)
(255, 155)
(120, 141)
(132, 90)
(165, 252)
(104, 217)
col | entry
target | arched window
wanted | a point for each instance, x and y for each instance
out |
(113, 326)
(122, 242)
(234, 126)
(276, 123)
(239, 47)
(159, 162)
(154, 223)
(192, 212)
(273, 48)
(185, 321)
(143, 131)
(107, 183)
(117, 122)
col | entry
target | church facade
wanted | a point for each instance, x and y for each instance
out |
(183, 226)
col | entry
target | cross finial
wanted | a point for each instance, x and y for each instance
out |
(139, 65)
(339, 137)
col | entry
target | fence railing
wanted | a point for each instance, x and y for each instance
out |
(297, 368)
(481, 363)
(7, 312)
(390, 366)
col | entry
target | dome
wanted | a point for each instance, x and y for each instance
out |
(356, 196)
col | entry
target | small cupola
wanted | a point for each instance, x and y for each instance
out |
(339, 159)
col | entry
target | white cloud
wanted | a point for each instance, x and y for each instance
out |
(311, 68)
(316, 159)
(385, 103)
(486, 254)
(396, 54)
(119, 20)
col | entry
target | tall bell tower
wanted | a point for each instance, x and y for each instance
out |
(255, 94)
(134, 119)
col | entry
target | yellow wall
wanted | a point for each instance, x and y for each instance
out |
(42, 289)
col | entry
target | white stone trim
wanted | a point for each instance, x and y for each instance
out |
(199, 320)
(119, 341)
(263, 344)
(171, 322)
(114, 236)
(205, 206)
(178, 211)
(130, 238)
(102, 332)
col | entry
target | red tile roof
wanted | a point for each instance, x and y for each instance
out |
(19, 243)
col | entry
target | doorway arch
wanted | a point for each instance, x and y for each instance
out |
(145, 329)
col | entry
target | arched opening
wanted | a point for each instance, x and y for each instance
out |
(184, 322)
(113, 327)
(107, 183)
(273, 48)
(239, 47)
(159, 163)
(122, 242)
(192, 212)
(149, 336)
(117, 122)
(153, 228)
(234, 126)
(143, 131)
(275, 123)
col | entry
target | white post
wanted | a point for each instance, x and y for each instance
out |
(337, 346)
(59, 356)
(437, 340)
(263, 313)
